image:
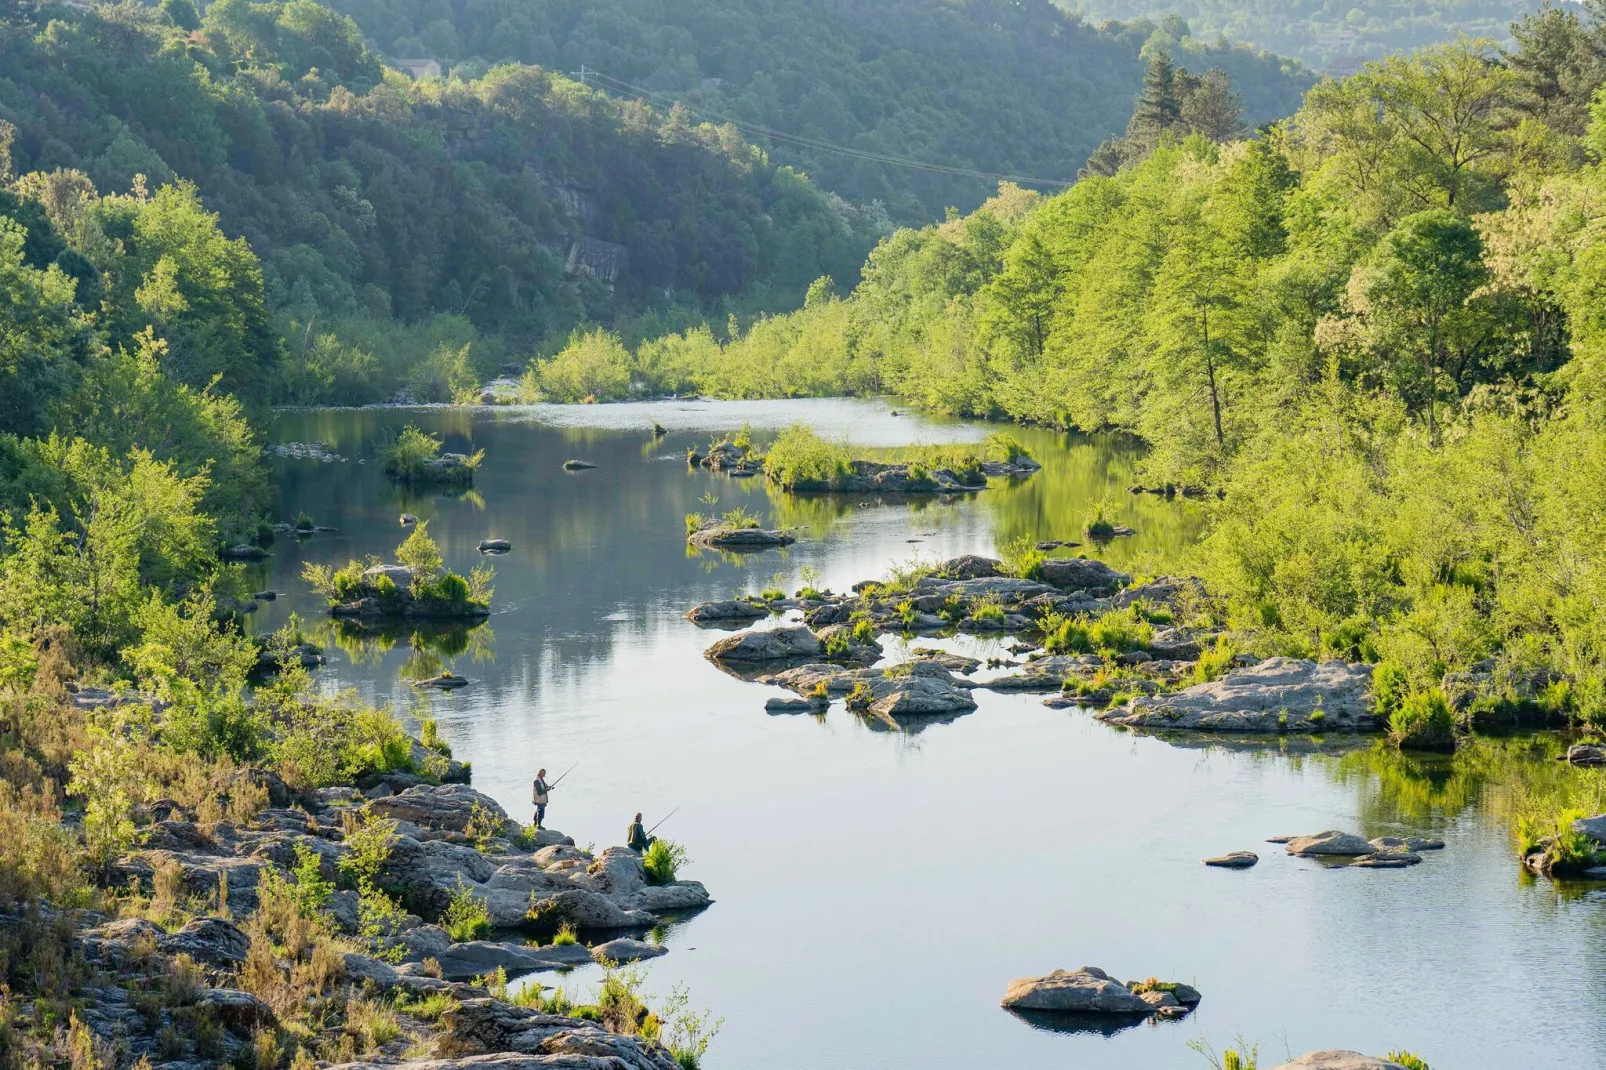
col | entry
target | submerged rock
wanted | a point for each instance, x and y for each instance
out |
(445, 682)
(1406, 843)
(772, 644)
(796, 705)
(739, 539)
(1278, 694)
(573, 465)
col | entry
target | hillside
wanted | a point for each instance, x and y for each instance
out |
(519, 202)
(1006, 87)
(1320, 31)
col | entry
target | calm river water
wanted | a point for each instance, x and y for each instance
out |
(876, 891)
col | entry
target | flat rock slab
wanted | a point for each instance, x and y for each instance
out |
(1088, 990)
(1387, 860)
(1234, 860)
(1406, 843)
(625, 950)
(739, 539)
(1082, 574)
(1331, 842)
(1278, 694)
(736, 610)
(770, 644)
(1338, 1060)
(796, 705)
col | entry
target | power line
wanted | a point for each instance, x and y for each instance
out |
(590, 75)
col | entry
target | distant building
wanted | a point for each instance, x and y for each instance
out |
(1344, 66)
(597, 259)
(418, 68)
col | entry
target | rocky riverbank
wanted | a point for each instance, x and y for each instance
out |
(248, 936)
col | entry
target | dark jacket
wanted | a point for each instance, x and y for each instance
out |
(636, 839)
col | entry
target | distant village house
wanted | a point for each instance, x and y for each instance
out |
(419, 68)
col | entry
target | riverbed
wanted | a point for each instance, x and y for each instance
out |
(877, 890)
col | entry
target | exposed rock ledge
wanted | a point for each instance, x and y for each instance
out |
(1276, 695)
(739, 539)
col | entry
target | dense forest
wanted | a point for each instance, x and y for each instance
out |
(1376, 329)
(453, 206)
(1318, 31)
(1016, 88)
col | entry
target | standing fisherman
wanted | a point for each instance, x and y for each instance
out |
(540, 797)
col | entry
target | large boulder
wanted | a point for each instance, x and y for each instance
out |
(1082, 574)
(917, 695)
(625, 950)
(480, 1026)
(739, 540)
(1338, 1060)
(1088, 990)
(1593, 827)
(968, 567)
(241, 1012)
(772, 644)
(438, 808)
(1331, 843)
(585, 909)
(1278, 694)
(215, 941)
(461, 962)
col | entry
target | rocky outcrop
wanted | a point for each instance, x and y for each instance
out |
(1083, 574)
(774, 644)
(479, 1026)
(911, 690)
(462, 962)
(968, 567)
(1384, 852)
(1276, 695)
(739, 540)
(625, 950)
(442, 808)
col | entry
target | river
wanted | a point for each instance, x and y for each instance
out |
(876, 891)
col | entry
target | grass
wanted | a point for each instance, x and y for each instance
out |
(1117, 632)
(1423, 721)
(566, 937)
(662, 860)
(1100, 520)
(1214, 663)
(467, 917)
(988, 607)
(1408, 1059)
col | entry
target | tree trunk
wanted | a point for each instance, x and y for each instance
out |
(1210, 370)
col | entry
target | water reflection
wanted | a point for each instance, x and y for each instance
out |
(883, 886)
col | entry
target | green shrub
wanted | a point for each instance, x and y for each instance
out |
(1066, 635)
(304, 522)
(798, 456)
(864, 632)
(429, 734)
(1423, 721)
(1001, 446)
(467, 917)
(988, 607)
(1408, 1059)
(739, 518)
(1022, 558)
(1214, 663)
(404, 455)
(566, 936)
(860, 697)
(663, 858)
(1119, 631)
(1389, 687)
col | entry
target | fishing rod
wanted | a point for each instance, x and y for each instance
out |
(666, 818)
(566, 772)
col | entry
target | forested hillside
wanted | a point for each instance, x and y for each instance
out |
(1377, 330)
(999, 86)
(453, 206)
(1319, 31)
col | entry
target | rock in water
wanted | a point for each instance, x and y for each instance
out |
(445, 682)
(1338, 1060)
(1406, 843)
(1593, 827)
(1331, 842)
(1235, 860)
(1088, 991)
(573, 465)
(738, 610)
(495, 546)
(775, 644)
(1586, 754)
(625, 950)
(408, 518)
(739, 539)
(1278, 694)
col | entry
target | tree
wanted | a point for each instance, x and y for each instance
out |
(1417, 287)
(1558, 64)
